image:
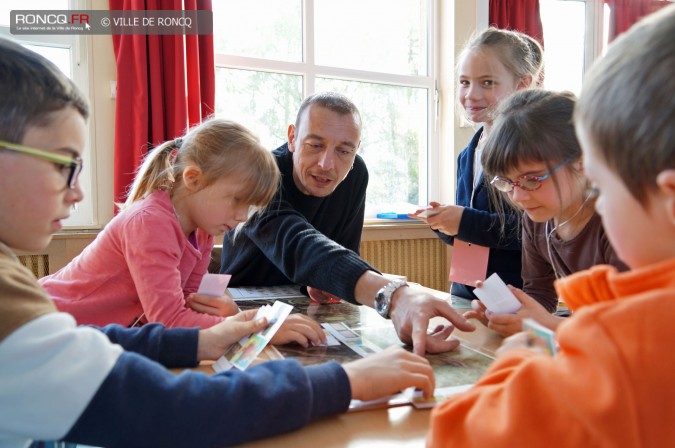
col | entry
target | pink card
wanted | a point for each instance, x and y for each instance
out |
(469, 263)
(214, 284)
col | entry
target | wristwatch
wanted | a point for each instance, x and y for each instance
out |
(383, 297)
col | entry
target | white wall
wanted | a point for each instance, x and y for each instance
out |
(103, 71)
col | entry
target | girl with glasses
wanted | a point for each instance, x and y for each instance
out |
(533, 159)
(493, 64)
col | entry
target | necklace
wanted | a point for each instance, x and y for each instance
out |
(550, 233)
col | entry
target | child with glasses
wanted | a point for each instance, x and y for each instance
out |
(69, 165)
(534, 159)
(493, 64)
(109, 386)
(610, 385)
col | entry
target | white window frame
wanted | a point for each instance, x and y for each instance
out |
(309, 71)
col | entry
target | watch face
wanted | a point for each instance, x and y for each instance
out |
(381, 303)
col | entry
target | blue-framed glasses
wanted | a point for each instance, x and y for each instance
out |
(527, 183)
(70, 166)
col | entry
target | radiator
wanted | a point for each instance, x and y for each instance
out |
(423, 260)
(38, 264)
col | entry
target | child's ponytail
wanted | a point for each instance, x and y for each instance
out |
(155, 173)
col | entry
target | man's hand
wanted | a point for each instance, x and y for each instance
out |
(214, 341)
(216, 306)
(411, 311)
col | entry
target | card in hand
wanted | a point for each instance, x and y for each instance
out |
(540, 331)
(214, 284)
(496, 296)
(427, 213)
(241, 354)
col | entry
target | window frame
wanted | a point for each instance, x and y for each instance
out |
(309, 71)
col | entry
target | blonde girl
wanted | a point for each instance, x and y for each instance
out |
(148, 262)
(493, 64)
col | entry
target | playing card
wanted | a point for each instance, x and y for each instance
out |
(540, 331)
(496, 296)
(241, 354)
(427, 213)
(214, 284)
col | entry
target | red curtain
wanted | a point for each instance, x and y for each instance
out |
(165, 84)
(624, 13)
(517, 15)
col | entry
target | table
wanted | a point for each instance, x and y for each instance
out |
(401, 426)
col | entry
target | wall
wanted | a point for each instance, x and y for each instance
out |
(464, 27)
(103, 72)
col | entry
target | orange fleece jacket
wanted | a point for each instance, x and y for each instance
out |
(610, 385)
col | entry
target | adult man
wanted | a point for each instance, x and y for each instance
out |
(311, 232)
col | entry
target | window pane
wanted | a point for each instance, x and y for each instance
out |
(393, 141)
(7, 6)
(59, 56)
(264, 102)
(564, 32)
(375, 35)
(270, 29)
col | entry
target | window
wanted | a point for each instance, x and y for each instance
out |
(67, 52)
(573, 39)
(377, 52)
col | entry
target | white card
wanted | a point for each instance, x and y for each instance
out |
(350, 338)
(427, 213)
(214, 284)
(496, 296)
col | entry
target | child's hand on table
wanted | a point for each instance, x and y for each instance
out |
(388, 372)
(301, 329)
